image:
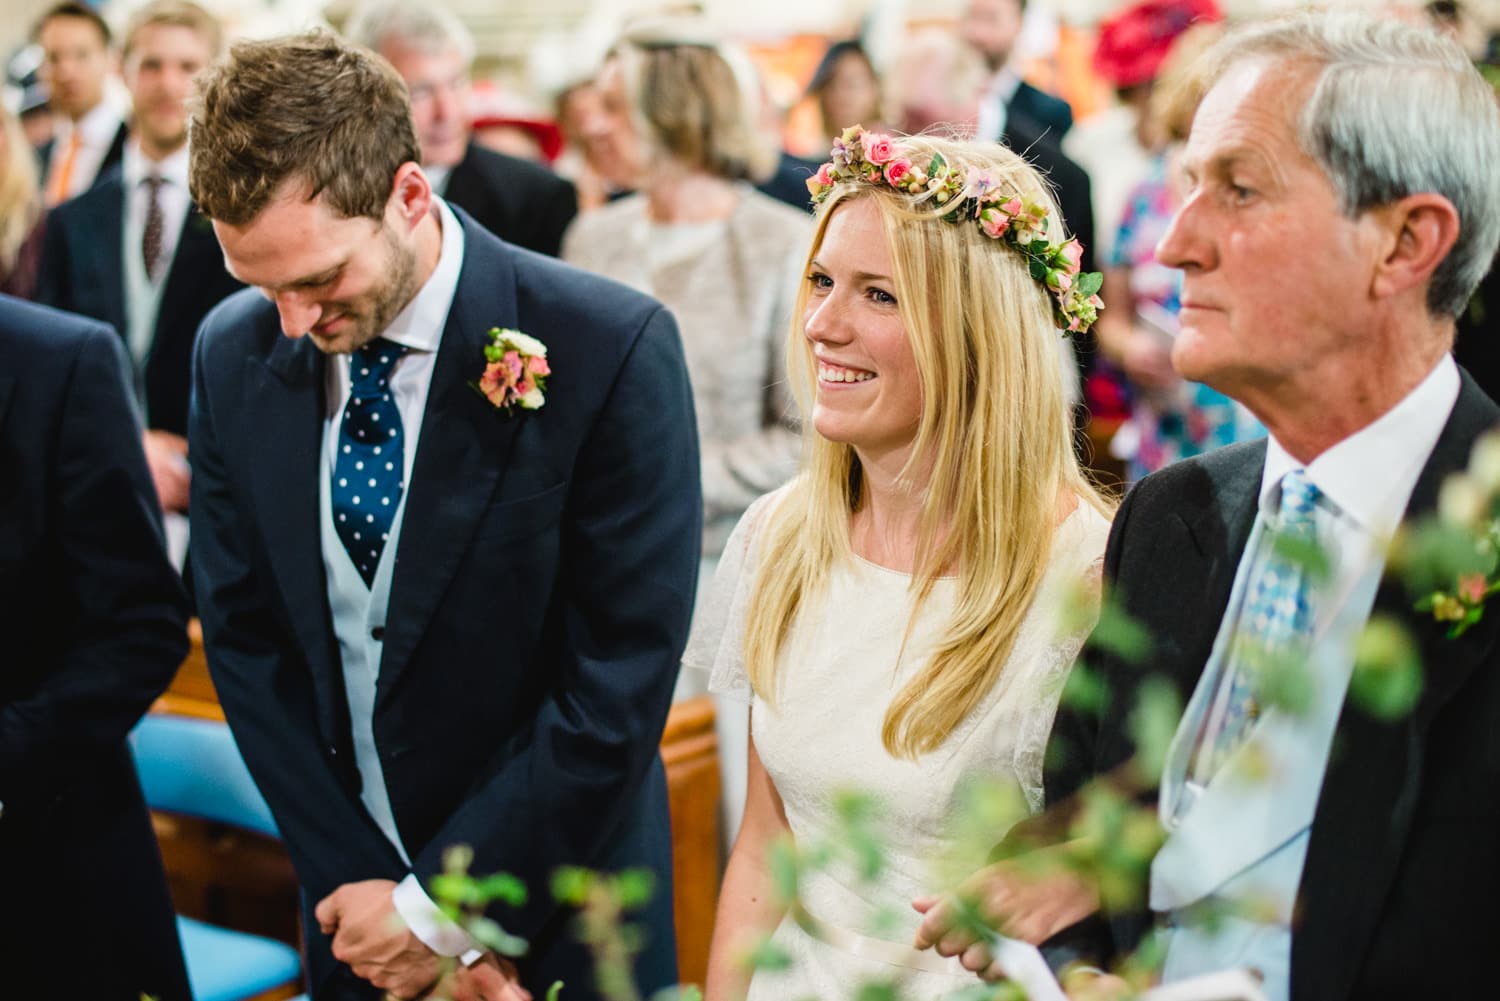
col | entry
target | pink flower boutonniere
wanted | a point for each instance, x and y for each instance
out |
(515, 371)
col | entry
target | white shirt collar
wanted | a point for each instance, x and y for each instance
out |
(420, 325)
(137, 167)
(1397, 443)
(97, 127)
(1004, 84)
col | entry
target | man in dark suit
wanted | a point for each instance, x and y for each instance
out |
(89, 136)
(434, 615)
(95, 625)
(991, 27)
(134, 251)
(1321, 282)
(519, 201)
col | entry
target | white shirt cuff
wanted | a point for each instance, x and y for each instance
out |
(431, 925)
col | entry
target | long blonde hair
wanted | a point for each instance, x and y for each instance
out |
(994, 431)
(20, 197)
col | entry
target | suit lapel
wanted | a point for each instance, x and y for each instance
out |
(286, 405)
(196, 247)
(1374, 772)
(105, 249)
(461, 453)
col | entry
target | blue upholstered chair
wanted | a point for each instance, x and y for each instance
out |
(191, 767)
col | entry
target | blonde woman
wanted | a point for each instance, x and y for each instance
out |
(892, 614)
(20, 209)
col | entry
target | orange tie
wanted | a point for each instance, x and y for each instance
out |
(57, 190)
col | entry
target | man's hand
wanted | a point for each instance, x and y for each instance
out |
(166, 456)
(1029, 899)
(489, 979)
(369, 935)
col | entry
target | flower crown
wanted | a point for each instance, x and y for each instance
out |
(1008, 217)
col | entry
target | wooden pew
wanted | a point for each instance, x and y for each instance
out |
(237, 879)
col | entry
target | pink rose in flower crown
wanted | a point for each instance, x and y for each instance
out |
(1059, 280)
(898, 172)
(878, 148)
(821, 181)
(1072, 252)
(994, 222)
(1471, 588)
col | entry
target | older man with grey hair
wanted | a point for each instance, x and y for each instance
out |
(1341, 206)
(521, 202)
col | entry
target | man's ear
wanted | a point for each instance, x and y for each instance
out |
(411, 194)
(1420, 231)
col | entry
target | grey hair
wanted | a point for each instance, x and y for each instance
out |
(426, 27)
(1396, 109)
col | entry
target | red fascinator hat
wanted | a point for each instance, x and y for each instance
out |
(1133, 43)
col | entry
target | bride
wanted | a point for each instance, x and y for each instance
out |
(892, 615)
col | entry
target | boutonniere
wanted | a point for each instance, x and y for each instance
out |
(515, 371)
(1463, 606)
(1455, 558)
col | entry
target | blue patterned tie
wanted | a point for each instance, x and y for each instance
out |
(1278, 616)
(367, 475)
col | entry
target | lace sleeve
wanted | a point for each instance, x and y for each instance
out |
(715, 643)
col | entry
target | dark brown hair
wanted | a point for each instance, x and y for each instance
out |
(70, 8)
(310, 108)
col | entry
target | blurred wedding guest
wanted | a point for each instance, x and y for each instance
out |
(88, 130)
(597, 173)
(20, 209)
(519, 201)
(133, 250)
(893, 616)
(775, 171)
(847, 89)
(718, 253)
(23, 75)
(1170, 418)
(94, 620)
(991, 27)
(1111, 144)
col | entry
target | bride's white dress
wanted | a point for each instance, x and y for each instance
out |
(842, 663)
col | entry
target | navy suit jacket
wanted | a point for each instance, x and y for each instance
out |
(544, 580)
(83, 271)
(94, 621)
(1398, 891)
(517, 200)
(1049, 115)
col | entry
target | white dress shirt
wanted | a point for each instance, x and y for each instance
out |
(142, 295)
(96, 132)
(994, 105)
(359, 611)
(1366, 482)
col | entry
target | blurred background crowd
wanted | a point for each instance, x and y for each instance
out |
(608, 96)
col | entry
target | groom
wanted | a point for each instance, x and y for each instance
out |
(434, 615)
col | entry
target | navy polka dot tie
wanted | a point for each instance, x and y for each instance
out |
(367, 475)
